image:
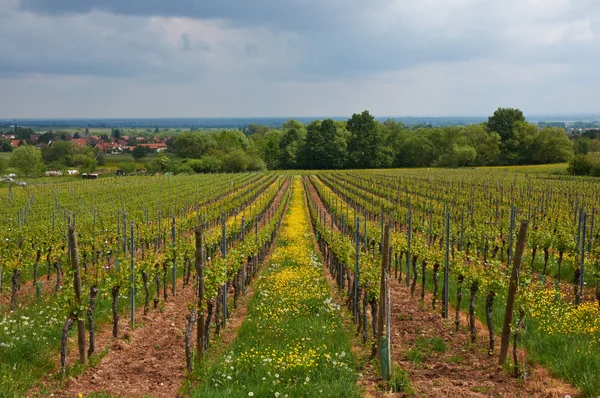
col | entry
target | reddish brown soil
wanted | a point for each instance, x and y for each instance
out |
(463, 369)
(368, 378)
(150, 360)
(25, 295)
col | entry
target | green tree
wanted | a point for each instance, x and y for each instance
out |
(325, 146)
(24, 134)
(394, 136)
(582, 146)
(257, 129)
(503, 122)
(139, 152)
(552, 145)
(365, 142)
(128, 167)
(486, 144)
(27, 160)
(193, 145)
(5, 146)
(520, 148)
(270, 148)
(418, 149)
(85, 162)
(60, 152)
(230, 140)
(3, 166)
(292, 144)
(46, 137)
(208, 164)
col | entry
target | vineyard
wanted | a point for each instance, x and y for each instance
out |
(332, 283)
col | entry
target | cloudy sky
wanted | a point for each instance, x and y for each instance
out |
(203, 58)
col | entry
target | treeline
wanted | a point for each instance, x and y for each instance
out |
(363, 142)
(61, 155)
(203, 152)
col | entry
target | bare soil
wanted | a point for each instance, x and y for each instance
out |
(459, 368)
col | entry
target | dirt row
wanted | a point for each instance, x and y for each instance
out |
(442, 363)
(146, 361)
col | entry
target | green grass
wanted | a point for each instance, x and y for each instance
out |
(570, 357)
(425, 347)
(293, 342)
(113, 162)
(34, 338)
(555, 168)
(311, 331)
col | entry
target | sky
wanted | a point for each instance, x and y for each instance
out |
(244, 58)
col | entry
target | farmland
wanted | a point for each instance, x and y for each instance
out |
(328, 283)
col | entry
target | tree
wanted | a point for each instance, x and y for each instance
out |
(116, 133)
(230, 140)
(583, 146)
(46, 137)
(193, 145)
(365, 143)
(3, 166)
(519, 149)
(24, 134)
(460, 155)
(325, 146)
(394, 135)
(270, 149)
(86, 164)
(6, 147)
(257, 129)
(292, 144)
(486, 144)
(139, 152)
(208, 164)
(503, 121)
(552, 146)
(27, 160)
(418, 150)
(60, 152)
(128, 167)
(76, 135)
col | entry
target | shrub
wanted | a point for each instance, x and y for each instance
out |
(583, 165)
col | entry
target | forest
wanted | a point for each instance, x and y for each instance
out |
(363, 142)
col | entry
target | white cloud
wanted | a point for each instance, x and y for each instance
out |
(293, 57)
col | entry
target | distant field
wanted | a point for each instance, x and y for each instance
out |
(537, 168)
(113, 162)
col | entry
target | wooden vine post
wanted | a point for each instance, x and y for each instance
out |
(383, 342)
(224, 287)
(77, 285)
(132, 281)
(243, 276)
(579, 295)
(512, 291)
(174, 270)
(445, 290)
(200, 271)
(355, 307)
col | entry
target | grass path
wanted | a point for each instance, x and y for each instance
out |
(293, 342)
